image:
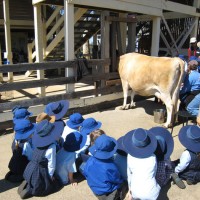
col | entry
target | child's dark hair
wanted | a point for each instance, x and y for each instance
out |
(94, 135)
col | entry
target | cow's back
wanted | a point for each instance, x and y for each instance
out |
(145, 73)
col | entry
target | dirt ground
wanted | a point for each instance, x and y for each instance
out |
(115, 123)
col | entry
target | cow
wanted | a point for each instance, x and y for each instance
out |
(148, 75)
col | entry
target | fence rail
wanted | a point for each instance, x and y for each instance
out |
(56, 81)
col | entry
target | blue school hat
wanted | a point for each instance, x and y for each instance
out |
(18, 107)
(165, 142)
(46, 133)
(89, 125)
(75, 120)
(74, 141)
(140, 143)
(181, 56)
(58, 108)
(120, 149)
(104, 147)
(23, 129)
(21, 113)
(193, 58)
(189, 137)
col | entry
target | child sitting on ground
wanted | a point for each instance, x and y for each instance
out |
(165, 146)
(65, 158)
(107, 183)
(22, 150)
(140, 144)
(189, 165)
(39, 172)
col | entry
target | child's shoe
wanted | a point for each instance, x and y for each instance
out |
(178, 181)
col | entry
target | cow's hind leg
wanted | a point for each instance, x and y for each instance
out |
(132, 105)
(125, 91)
(166, 98)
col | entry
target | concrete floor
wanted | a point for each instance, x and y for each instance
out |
(115, 123)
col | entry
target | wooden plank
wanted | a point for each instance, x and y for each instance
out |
(35, 83)
(50, 2)
(54, 81)
(113, 46)
(113, 82)
(120, 19)
(49, 65)
(48, 99)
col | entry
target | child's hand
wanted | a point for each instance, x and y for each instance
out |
(74, 182)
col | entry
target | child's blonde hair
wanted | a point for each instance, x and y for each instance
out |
(94, 135)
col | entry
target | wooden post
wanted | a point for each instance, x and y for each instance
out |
(131, 37)
(196, 4)
(155, 36)
(7, 36)
(39, 44)
(123, 29)
(105, 49)
(1, 75)
(113, 47)
(69, 41)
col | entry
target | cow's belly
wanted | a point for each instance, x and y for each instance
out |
(145, 91)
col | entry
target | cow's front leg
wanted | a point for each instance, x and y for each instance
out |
(132, 105)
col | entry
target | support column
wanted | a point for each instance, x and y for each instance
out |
(69, 41)
(1, 75)
(123, 29)
(155, 36)
(194, 31)
(131, 37)
(7, 36)
(39, 44)
(105, 41)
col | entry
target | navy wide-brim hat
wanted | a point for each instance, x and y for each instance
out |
(75, 120)
(23, 129)
(74, 141)
(58, 108)
(104, 147)
(89, 125)
(46, 133)
(140, 143)
(189, 137)
(165, 141)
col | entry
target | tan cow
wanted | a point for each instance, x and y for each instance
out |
(146, 76)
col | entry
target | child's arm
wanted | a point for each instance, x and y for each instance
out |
(71, 179)
(184, 162)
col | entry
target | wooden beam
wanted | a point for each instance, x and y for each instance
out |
(155, 36)
(69, 40)
(48, 99)
(120, 19)
(50, 2)
(120, 6)
(16, 23)
(39, 43)
(7, 35)
(49, 65)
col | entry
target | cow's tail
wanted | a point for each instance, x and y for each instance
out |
(175, 94)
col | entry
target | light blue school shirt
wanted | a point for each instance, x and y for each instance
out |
(191, 82)
(65, 163)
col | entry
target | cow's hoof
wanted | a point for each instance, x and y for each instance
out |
(122, 108)
(132, 106)
(167, 125)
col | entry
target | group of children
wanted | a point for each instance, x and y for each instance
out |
(45, 154)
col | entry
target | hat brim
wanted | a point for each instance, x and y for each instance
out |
(89, 130)
(164, 133)
(186, 142)
(73, 149)
(49, 139)
(29, 115)
(73, 126)
(25, 135)
(103, 154)
(64, 110)
(137, 152)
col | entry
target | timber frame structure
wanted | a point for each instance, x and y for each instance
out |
(123, 25)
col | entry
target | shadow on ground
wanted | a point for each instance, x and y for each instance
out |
(6, 185)
(163, 192)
